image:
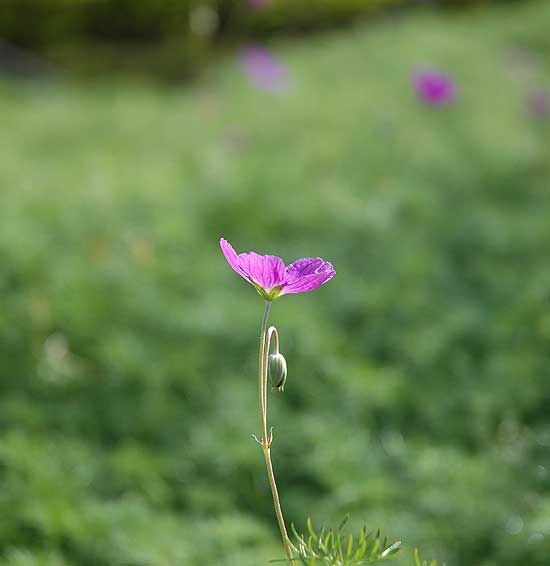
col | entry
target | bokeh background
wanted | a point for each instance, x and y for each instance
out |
(133, 136)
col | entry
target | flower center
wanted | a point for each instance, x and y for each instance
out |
(270, 295)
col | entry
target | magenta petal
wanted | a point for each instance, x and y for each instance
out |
(307, 283)
(268, 271)
(232, 257)
(307, 274)
(304, 266)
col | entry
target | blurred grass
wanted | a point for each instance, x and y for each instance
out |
(418, 393)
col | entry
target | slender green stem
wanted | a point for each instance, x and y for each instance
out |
(266, 439)
(277, 505)
(262, 370)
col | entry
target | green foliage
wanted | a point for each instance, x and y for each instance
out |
(152, 20)
(417, 397)
(419, 562)
(168, 39)
(333, 547)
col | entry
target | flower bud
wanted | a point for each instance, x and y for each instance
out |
(277, 371)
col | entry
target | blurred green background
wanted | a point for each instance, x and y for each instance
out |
(418, 397)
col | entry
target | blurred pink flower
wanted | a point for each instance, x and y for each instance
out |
(434, 88)
(538, 103)
(265, 71)
(258, 3)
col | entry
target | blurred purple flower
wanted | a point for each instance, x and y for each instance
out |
(263, 69)
(538, 103)
(271, 278)
(434, 88)
(258, 3)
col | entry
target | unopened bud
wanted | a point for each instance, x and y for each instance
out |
(277, 370)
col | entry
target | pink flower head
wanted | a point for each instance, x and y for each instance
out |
(434, 88)
(271, 278)
(263, 69)
(538, 103)
(258, 3)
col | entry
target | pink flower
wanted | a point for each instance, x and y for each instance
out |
(271, 278)
(263, 69)
(538, 103)
(434, 88)
(258, 3)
